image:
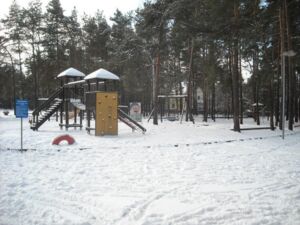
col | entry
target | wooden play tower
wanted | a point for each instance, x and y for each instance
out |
(61, 101)
(94, 95)
(72, 96)
(102, 102)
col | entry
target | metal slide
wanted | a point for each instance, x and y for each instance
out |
(129, 121)
(78, 104)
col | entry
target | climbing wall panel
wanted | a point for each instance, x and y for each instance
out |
(106, 113)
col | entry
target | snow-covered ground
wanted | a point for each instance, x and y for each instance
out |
(185, 174)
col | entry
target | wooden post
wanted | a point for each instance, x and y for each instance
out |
(62, 108)
(67, 108)
(75, 116)
(161, 109)
(88, 117)
(80, 118)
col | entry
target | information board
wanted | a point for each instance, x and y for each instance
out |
(21, 108)
(135, 111)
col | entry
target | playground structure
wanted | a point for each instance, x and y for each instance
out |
(169, 106)
(93, 96)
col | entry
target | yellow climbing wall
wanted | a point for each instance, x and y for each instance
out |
(106, 113)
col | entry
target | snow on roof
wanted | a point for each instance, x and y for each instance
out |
(102, 74)
(172, 96)
(259, 104)
(71, 72)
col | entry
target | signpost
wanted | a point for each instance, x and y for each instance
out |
(21, 112)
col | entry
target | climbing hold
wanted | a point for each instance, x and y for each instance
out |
(61, 138)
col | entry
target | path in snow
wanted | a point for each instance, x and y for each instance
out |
(249, 182)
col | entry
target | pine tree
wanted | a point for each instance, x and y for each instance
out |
(74, 40)
(54, 43)
(96, 36)
(14, 30)
(32, 29)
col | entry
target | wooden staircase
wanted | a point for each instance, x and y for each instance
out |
(46, 109)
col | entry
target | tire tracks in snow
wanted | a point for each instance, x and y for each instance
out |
(70, 206)
(135, 212)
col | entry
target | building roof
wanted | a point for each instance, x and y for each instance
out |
(102, 74)
(71, 72)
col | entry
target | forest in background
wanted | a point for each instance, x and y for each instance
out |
(162, 48)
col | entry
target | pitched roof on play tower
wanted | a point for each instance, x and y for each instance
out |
(71, 72)
(102, 74)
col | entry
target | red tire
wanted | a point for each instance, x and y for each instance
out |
(61, 138)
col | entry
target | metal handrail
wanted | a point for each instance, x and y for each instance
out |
(37, 110)
(131, 120)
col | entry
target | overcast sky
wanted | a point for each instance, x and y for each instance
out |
(88, 6)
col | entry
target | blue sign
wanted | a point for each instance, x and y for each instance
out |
(21, 108)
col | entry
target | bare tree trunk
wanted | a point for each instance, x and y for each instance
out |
(190, 86)
(282, 28)
(205, 101)
(229, 107)
(180, 101)
(277, 104)
(235, 88)
(13, 74)
(230, 62)
(272, 103)
(156, 69)
(20, 69)
(195, 105)
(256, 87)
(272, 89)
(34, 75)
(213, 102)
(235, 73)
(297, 99)
(291, 75)
(241, 91)
(14, 88)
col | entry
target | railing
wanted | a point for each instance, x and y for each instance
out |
(45, 104)
(77, 94)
